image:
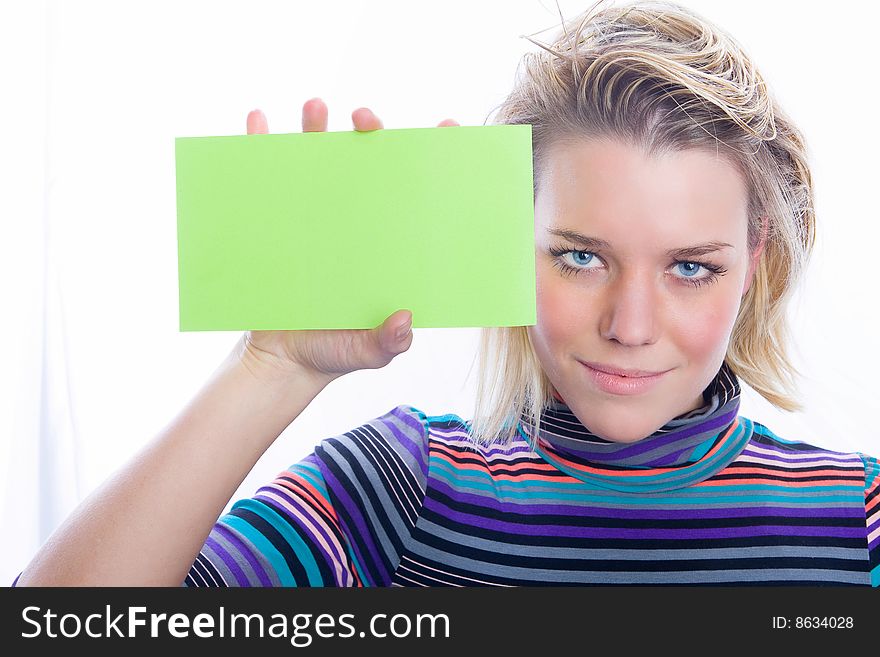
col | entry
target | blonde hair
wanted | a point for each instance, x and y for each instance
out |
(659, 76)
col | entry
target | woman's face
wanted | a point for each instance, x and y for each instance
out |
(633, 302)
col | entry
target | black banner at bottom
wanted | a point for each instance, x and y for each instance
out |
(433, 621)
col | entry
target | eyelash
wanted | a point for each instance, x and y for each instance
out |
(716, 271)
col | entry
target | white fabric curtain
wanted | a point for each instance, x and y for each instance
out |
(93, 95)
(39, 457)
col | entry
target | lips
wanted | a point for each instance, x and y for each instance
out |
(624, 372)
(634, 382)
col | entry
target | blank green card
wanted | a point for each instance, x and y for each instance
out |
(322, 230)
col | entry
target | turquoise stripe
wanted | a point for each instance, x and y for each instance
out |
(314, 477)
(448, 417)
(479, 477)
(484, 480)
(317, 479)
(357, 566)
(294, 540)
(679, 478)
(262, 546)
(764, 431)
(528, 492)
(673, 478)
(872, 469)
(701, 451)
(875, 576)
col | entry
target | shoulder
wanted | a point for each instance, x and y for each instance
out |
(409, 431)
(396, 441)
(767, 445)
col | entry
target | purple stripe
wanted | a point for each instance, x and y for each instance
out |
(245, 552)
(642, 446)
(520, 449)
(362, 527)
(786, 456)
(229, 560)
(739, 511)
(310, 459)
(407, 418)
(414, 449)
(672, 458)
(301, 505)
(518, 446)
(622, 532)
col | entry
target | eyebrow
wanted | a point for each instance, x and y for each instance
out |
(590, 243)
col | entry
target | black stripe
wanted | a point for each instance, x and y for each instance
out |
(764, 439)
(354, 462)
(396, 470)
(745, 462)
(757, 478)
(277, 540)
(208, 571)
(538, 519)
(374, 570)
(569, 564)
(327, 578)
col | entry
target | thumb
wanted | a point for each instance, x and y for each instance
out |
(396, 333)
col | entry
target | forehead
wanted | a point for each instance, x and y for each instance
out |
(611, 187)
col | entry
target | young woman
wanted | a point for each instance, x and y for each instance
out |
(673, 219)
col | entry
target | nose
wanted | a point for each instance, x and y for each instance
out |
(630, 314)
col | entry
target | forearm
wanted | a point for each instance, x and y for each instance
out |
(147, 523)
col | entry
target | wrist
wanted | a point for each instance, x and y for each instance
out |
(269, 368)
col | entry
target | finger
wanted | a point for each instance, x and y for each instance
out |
(364, 120)
(446, 123)
(257, 123)
(314, 118)
(395, 333)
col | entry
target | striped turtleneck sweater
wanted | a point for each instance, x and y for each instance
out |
(407, 499)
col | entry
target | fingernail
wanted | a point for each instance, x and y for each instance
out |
(403, 330)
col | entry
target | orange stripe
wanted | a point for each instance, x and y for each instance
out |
(869, 508)
(306, 484)
(799, 473)
(645, 473)
(493, 467)
(774, 482)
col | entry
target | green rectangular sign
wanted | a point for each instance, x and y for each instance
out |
(322, 230)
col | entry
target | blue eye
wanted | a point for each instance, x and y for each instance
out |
(696, 267)
(589, 257)
(686, 267)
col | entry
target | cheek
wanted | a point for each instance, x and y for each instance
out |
(704, 331)
(562, 316)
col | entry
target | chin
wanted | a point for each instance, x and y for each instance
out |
(622, 432)
(624, 438)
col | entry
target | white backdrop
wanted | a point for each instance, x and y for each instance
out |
(94, 94)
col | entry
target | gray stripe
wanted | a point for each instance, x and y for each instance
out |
(574, 494)
(196, 575)
(635, 554)
(416, 437)
(528, 503)
(481, 569)
(399, 477)
(388, 505)
(203, 558)
(240, 560)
